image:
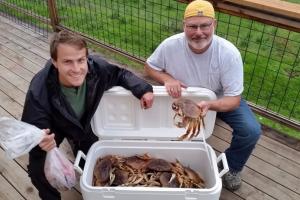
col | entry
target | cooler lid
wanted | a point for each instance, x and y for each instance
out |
(119, 115)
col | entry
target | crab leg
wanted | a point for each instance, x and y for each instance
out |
(198, 126)
(192, 129)
(184, 136)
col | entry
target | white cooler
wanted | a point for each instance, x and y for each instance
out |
(125, 129)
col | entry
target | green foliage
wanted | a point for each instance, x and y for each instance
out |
(271, 63)
(39, 9)
(282, 129)
(292, 1)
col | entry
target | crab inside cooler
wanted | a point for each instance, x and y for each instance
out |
(125, 129)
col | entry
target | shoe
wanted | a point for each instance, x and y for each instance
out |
(232, 180)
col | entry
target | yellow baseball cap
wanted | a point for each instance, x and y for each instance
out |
(199, 8)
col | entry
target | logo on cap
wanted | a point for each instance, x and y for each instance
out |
(200, 13)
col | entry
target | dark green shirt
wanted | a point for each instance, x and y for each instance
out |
(76, 98)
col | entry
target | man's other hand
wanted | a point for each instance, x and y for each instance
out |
(173, 87)
(48, 142)
(147, 100)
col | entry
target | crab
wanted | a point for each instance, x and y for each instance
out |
(187, 177)
(144, 170)
(189, 115)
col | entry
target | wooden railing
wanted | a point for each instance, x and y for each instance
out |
(273, 12)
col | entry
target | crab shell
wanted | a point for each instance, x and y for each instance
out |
(186, 108)
(143, 170)
(187, 115)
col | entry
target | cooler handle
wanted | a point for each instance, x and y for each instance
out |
(225, 169)
(79, 155)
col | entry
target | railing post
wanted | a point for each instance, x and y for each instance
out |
(53, 14)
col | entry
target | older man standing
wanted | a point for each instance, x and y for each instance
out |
(198, 57)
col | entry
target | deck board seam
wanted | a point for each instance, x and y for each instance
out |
(266, 160)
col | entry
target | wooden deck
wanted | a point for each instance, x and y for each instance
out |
(272, 172)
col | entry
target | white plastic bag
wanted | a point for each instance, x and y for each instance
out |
(59, 171)
(17, 137)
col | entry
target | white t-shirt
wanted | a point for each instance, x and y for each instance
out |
(219, 68)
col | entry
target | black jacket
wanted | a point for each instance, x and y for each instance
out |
(46, 107)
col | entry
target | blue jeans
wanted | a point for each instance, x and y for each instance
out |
(246, 132)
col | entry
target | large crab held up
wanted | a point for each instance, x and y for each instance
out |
(187, 115)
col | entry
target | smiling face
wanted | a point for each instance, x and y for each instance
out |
(199, 32)
(71, 63)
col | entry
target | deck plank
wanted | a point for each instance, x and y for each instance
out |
(268, 186)
(13, 92)
(22, 51)
(26, 31)
(19, 59)
(3, 112)
(13, 78)
(268, 143)
(226, 195)
(16, 68)
(259, 178)
(33, 38)
(7, 191)
(11, 106)
(24, 43)
(281, 162)
(277, 175)
(247, 191)
(17, 177)
(280, 149)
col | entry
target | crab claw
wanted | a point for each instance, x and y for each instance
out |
(178, 121)
(175, 107)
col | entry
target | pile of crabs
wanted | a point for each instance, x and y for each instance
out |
(147, 171)
(144, 171)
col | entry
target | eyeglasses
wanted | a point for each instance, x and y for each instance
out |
(203, 27)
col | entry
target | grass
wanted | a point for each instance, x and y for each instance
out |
(117, 58)
(282, 129)
(270, 54)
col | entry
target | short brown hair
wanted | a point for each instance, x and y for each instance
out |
(66, 37)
